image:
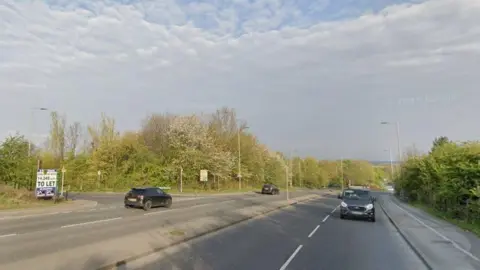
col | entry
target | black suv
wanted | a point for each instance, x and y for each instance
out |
(357, 203)
(270, 189)
(147, 198)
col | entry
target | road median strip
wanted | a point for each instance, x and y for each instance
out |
(111, 253)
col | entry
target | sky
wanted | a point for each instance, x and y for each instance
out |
(309, 77)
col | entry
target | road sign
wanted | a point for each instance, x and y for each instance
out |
(203, 175)
(99, 173)
(46, 183)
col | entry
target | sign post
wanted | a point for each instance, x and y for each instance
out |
(46, 186)
(63, 177)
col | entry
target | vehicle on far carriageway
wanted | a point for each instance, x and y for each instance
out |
(270, 189)
(147, 197)
(357, 203)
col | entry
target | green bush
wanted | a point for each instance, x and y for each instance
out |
(447, 179)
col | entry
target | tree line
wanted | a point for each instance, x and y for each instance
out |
(447, 179)
(169, 148)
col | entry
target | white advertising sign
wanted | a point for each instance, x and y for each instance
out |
(203, 175)
(46, 183)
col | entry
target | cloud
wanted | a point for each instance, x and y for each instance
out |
(302, 79)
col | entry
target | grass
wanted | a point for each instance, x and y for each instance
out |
(467, 226)
(11, 198)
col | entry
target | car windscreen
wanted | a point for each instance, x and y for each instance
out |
(267, 186)
(356, 194)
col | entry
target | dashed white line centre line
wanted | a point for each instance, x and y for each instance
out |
(91, 222)
(334, 209)
(285, 265)
(325, 219)
(314, 230)
(7, 235)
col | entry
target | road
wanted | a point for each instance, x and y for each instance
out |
(110, 207)
(308, 236)
(26, 237)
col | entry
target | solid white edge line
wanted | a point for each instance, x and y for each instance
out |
(439, 234)
(90, 222)
(325, 219)
(8, 235)
(284, 266)
(314, 230)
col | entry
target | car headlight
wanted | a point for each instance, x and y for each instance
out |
(342, 204)
(369, 206)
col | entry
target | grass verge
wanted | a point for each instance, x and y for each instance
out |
(11, 198)
(467, 226)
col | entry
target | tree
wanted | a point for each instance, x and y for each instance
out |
(446, 179)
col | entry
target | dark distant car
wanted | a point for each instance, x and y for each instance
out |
(147, 198)
(270, 189)
(357, 203)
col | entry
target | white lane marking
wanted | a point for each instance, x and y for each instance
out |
(439, 234)
(325, 219)
(90, 222)
(284, 266)
(335, 209)
(314, 230)
(35, 215)
(7, 235)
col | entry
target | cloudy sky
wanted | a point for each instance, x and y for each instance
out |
(313, 76)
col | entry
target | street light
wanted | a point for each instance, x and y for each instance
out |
(391, 161)
(240, 129)
(398, 137)
(32, 112)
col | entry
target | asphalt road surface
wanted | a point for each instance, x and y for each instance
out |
(308, 236)
(111, 207)
(27, 237)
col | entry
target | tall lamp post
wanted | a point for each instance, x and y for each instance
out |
(32, 115)
(240, 129)
(391, 162)
(400, 155)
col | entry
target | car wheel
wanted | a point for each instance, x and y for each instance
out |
(168, 203)
(372, 219)
(147, 205)
(342, 216)
(127, 206)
